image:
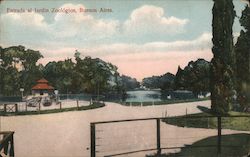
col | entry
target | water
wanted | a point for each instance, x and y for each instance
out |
(158, 95)
(144, 96)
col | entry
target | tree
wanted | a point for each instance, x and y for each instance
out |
(95, 75)
(242, 50)
(194, 77)
(164, 82)
(18, 69)
(222, 64)
(129, 83)
(179, 79)
(30, 72)
(61, 74)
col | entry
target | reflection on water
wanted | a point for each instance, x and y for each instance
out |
(157, 95)
(143, 96)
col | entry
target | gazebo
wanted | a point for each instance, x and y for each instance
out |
(42, 88)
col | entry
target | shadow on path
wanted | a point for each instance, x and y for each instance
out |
(235, 145)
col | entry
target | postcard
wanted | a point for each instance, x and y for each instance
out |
(146, 78)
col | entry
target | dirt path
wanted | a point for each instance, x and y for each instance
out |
(68, 134)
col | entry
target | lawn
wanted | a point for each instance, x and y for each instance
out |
(235, 145)
(234, 123)
(92, 106)
(171, 101)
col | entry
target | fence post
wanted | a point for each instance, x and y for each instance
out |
(92, 140)
(186, 117)
(219, 136)
(39, 107)
(16, 108)
(158, 136)
(77, 104)
(5, 108)
(60, 103)
(26, 106)
(12, 154)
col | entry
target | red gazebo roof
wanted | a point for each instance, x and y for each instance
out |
(43, 80)
(42, 84)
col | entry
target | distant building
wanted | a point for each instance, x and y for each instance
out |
(42, 88)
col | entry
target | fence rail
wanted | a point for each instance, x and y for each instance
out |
(159, 141)
(7, 143)
(51, 103)
(65, 105)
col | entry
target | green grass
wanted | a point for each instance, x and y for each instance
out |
(173, 101)
(93, 106)
(234, 123)
(235, 145)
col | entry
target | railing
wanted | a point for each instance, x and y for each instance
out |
(7, 143)
(158, 144)
(62, 102)
(39, 108)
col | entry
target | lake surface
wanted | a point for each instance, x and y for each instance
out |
(144, 96)
(157, 95)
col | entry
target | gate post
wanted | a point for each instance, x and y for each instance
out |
(219, 136)
(158, 136)
(92, 140)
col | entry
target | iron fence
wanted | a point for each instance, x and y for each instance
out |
(169, 136)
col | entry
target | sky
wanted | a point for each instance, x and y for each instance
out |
(142, 38)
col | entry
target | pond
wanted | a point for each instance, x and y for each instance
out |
(158, 95)
(143, 96)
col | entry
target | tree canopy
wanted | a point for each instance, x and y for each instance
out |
(242, 50)
(19, 68)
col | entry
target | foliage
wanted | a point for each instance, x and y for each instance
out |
(86, 75)
(97, 75)
(165, 81)
(60, 74)
(194, 77)
(18, 69)
(222, 64)
(242, 50)
(129, 83)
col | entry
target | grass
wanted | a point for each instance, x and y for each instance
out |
(235, 145)
(93, 106)
(234, 123)
(171, 101)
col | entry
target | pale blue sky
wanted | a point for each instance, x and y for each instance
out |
(157, 29)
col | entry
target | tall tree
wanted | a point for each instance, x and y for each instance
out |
(18, 68)
(222, 77)
(242, 50)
